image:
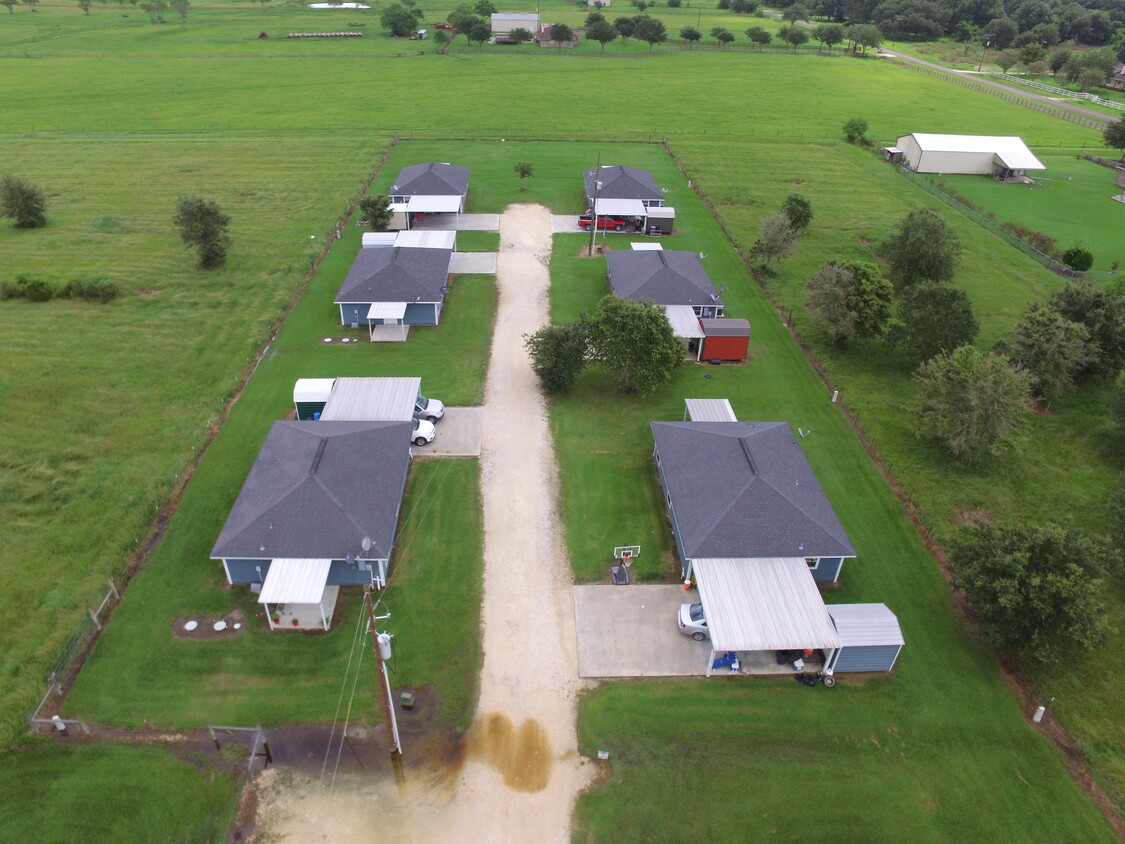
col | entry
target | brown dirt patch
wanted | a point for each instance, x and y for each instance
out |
(205, 628)
(974, 516)
(150, 291)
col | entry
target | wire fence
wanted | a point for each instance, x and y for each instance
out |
(1062, 114)
(1060, 92)
(928, 184)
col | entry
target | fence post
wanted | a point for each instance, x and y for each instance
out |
(94, 619)
(113, 588)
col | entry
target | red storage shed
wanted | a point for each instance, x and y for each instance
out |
(724, 339)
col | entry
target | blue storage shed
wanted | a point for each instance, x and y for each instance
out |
(870, 638)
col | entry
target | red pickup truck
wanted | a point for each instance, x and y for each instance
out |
(604, 222)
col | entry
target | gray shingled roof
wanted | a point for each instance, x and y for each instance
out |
(744, 490)
(620, 182)
(665, 277)
(397, 274)
(316, 489)
(431, 179)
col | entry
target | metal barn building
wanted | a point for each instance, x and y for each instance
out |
(1003, 157)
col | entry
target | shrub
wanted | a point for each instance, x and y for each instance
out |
(100, 290)
(1078, 259)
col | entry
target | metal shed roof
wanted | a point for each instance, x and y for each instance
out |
(426, 239)
(372, 400)
(866, 624)
(664, 212)
(435, 204)
(683, 320)
(709, 410)
(726, 327)
(295, 581)
(386, 310)
(312, 389)
(609, 207)
(763, 605)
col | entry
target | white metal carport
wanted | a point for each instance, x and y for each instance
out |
(766, 604)
(297, 581)
(426, 239)
(434, 204)
(362, 399)
(684, 322)
(620, 208)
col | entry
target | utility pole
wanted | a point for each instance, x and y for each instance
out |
(594, 210)
(382, 646)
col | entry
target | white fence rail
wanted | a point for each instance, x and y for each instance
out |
(1060, 92)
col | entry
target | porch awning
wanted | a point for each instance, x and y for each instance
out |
(620, 208)
(386, 310)
(709, 410)
(683, 320)
(434, 204)
(646, 247)
(763, 604)
(295, 581)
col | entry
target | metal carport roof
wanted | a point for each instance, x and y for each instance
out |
(683, 320)
(434, 204)
(763, 604)
(620, 208)
(295, 581)
(426, 239)
(372, 399)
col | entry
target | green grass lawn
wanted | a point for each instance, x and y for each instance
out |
(1071, 201)
(107, 405)
(60, 793)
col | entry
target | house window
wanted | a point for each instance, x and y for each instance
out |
(812, 562)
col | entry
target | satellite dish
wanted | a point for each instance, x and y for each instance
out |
(701, 256)
(366, 543)
(722, 287)
(664, 190)
(714, 298)
(444, 290)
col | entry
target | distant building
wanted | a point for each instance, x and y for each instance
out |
(1006, 158)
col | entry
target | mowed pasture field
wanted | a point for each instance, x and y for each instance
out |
(115, 127)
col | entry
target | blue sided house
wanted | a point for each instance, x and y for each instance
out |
(397, 286)
(319, 510)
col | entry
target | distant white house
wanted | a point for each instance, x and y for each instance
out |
(1006, 158)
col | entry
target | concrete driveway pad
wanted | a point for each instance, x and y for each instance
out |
(473, 262)
(631, 631)
(458, 434)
